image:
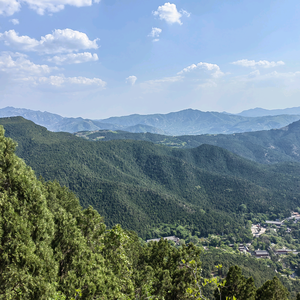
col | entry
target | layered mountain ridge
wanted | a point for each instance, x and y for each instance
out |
(267, 147)
(185, 122)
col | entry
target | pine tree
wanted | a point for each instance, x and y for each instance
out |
(272, 290)
(236, 285)
(27, 265)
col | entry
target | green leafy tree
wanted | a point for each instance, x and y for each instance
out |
(236, 285)
(27, 264)
(160, 270)
(50, 248)
(272, 290)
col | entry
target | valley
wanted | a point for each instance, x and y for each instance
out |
(204, 195)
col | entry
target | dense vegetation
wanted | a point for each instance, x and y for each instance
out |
(51, 248)
(139, 184)
(267, 147)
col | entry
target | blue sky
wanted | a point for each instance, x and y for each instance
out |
(97, 59)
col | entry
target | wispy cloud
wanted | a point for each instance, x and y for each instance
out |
(260, 63)
(61, 80)
(14, 21)
(156, 85)
(9, 7)
(20, 69)
(155, 33)
(59, 41)
(73, 58)
(213, 68)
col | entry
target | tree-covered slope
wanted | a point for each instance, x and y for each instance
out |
(52, 249)
(138, 184)
(267, 147)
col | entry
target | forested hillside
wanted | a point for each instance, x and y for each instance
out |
(139, 184)
(267, 147)
(52, 249)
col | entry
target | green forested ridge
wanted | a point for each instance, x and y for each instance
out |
(52, 249)
(139, 184)
(269, 146)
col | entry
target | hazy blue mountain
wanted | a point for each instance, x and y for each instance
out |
(54, 122)
(185, 122)
(261, 112)
(46, 119)
(193, 122)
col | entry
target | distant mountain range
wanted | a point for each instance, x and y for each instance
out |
(261, 112)
(56, 123)
(267, 147)
(185, 122)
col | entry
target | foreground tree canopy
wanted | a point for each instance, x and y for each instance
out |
(51, 248)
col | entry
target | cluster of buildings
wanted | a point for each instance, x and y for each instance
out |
(264, 253)
(296, 216)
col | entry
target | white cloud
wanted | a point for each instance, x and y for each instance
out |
(14, 21)
(73, 58)
(268, 79)
(185, 13)
(18, 65)
(215, 69)
(208, 84)
(19, 70)
(131, 80)
(169, 13)
(66, 40)
(261, 63)
(155, 85)
(254, 74)
(276, 75)
(155, 32)
(61, 80)
(9, 7)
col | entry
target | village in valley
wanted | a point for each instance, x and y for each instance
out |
(276, 241)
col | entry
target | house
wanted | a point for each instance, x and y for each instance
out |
(283, 251)
(295, 214)
(168, 238)
(277, 223)
(261, 253)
